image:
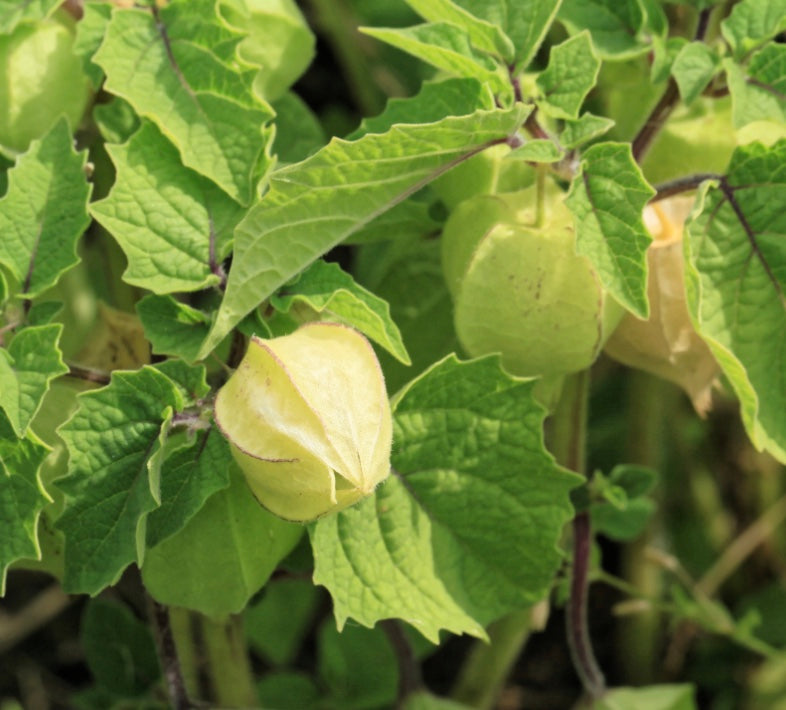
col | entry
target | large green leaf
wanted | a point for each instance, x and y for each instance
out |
(314, 205)
(446, 47)
(466, 528)
(758, 91)
(171, 222)
(484, 35)
(188, 478)
(525, 22)
(22, 496)
(435, 100)
(114, 442)
(178, 73)
(223, 555)
(335, 295)
(652, 697)
(27, 367)
(607, 198)
(736, 277)
(44, 212)
(572, 71)
(752, 22)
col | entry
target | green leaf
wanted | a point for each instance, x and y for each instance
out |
(693, 69)
(113, 482)
(12, 12)
(607, 198)
(22, 496)
(116, 120)
(188, 88)
(190, 379)
(665, 51)
(758, 93)
(473, 489)
(627, 521)
(90, 32)
(170, 222)
(173, 328)
(735, 279)
(118, 648)
(485, 36)
(357, 667)
(525, 22)
(223, 555)
(445, 47)
(435, 100)
(586, 128)
(423, 700)
(42, 312)
(279, 42)
(44, 212)
(613, 24)
(277, 624)
(539, 150)
(298, 130)
(752, 22)
(288, 690)
(188, 478)
(571, 73)
(409, 219)
(408, 274)
(314, 205)
(335, 295)
(653, 697)
(27, 368)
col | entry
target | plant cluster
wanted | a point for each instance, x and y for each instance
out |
(249, 349)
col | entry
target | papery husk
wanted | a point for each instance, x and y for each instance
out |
(666, 344)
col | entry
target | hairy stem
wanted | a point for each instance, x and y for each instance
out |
(683, 184)
(569, 446)
(410, 679)
(214, 659)
(167, 653)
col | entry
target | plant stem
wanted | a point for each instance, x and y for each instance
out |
(167, 652)
(683, 184)
(487, 666)
(569, 435)
(213, 659)
(410, 679)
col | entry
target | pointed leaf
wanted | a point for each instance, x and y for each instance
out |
(205, 106)
(473, 489)
(336, 296)
(571, 73)
(89, 33)
(525, 22)
(586, 128)
(607, 198)
(314, 205)
(693, 69)
(27, 367)
(169, 221)
(736, 277)
(112, 485)
(223, 555)
(752, 22)
(435, 100)
(173, 328)
(44, 212)
(189, 379)
(538, 150)
(758, 91)
(188, 478)
(444, 46)
(483, 35)
(21, 496)
(613, 24)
